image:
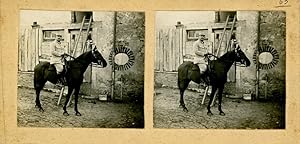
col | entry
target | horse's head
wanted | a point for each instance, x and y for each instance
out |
(241, 57)
(98, 58)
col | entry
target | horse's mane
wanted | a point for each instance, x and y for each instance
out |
(227, 56)
(81, 59)
(83, 56)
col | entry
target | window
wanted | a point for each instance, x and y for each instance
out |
(221, 16)
(194, 34)
(51, 34)
(77, 16)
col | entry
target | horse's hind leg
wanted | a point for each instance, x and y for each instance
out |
(182, 86)
(220, 100)
(213, 91)
(182, 101)
(70, 90)
(37, 100)
(38, 86)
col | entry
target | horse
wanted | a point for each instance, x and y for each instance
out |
(216, 75)
(44, 71)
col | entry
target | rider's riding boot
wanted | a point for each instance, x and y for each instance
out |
(61, 79)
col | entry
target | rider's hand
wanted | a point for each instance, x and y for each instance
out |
(64, 54)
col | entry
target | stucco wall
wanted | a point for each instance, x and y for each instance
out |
(103, 36)
(247, 38)
(272, 28)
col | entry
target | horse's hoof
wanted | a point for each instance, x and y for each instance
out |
(78, 114)
(209, 113)
(66, 113)
(185, 109)
(41, 109)
(222, 113)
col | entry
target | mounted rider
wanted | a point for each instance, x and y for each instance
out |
(201, 47)
(57, 57)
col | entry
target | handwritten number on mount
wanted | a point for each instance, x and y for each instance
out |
(283, 2)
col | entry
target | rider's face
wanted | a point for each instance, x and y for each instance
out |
(58, 38)
(201, 38)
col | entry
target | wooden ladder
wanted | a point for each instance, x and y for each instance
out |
(83, 23)
(218, 50)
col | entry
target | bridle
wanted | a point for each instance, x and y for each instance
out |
(236, 53)
(99, 62)
(93, 54)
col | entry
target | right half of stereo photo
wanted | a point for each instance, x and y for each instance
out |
(220, 70)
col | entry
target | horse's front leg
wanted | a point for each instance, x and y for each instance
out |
(77, 113)
(70, 90)
(213, 91)
(220, 100)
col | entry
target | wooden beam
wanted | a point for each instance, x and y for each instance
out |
(157, 51)
(230, 33)
(162, 51)
(223, 33)
(75, 48)
(180, 46)
(37, 41)
(184, 35)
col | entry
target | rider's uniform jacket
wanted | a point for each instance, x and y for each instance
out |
(202, 47)
(57, 50)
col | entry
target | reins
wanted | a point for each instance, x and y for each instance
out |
(217, 58)
(67, 55)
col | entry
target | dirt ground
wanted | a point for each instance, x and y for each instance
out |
(95, 114)
(240, 114)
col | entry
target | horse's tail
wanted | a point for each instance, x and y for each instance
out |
(39, 74)
(183, 78)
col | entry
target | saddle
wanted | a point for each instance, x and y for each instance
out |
(51, 67)
(205, 77)
(61, 79)
(66, 66)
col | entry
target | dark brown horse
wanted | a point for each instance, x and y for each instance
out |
(44, 72)
(216, 75)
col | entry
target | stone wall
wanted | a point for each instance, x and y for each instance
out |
(273, 32)
(130, 30)
(131, 33)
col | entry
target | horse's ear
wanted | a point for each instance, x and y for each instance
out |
(237, 48)
(95, 49)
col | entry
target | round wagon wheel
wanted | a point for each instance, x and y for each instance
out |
(126, 51)
(270, 50)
